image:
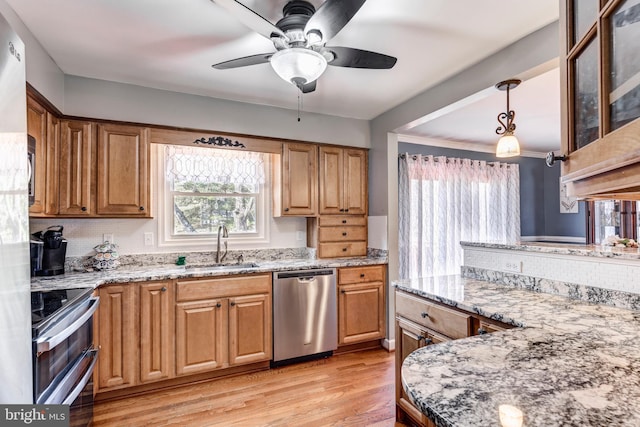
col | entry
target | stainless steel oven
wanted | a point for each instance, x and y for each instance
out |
(63, 353)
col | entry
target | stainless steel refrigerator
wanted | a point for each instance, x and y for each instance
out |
(15, 303)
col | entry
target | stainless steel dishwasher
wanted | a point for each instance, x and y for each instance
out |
(305, 319)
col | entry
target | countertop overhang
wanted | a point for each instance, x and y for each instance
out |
(569, 363)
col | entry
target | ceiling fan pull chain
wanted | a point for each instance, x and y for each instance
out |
(299, 103)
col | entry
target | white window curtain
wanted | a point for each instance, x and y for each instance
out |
(447, 200)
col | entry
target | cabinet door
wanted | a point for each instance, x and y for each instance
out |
(201, 336)
(156, 331)
(331, 180)
(123, 170)
(361, 312)
(117, 337)
(37, 128)
(52, 183)
(409, 338)
(249, 329)
(76, 163)
(299, 179)
(355, 182)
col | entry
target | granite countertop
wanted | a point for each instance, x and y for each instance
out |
(597, 251)
(83, 279)
(569, 363)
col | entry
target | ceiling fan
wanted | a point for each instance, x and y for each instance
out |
(300, 39)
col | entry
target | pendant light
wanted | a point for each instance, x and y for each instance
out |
(508, 145)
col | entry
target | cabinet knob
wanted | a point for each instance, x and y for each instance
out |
(424, 314)
(343, 291)
(344, 221)
(428, 341)
(344, 234)
(83, 209)
(346, 210)
(286, 209)
(482, 331)
(232, 304)
(141, 208)
(344, 249)
(341, 210)
(361, 274)
(218, 305)
(164, 289)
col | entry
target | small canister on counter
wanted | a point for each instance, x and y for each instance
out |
(106, 257)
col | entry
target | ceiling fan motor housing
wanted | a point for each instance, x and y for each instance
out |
(296, 15)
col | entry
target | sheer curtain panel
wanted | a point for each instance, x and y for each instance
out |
(446, 200)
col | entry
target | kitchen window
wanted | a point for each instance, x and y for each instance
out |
(206, 188)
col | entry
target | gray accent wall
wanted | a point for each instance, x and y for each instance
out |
(539, 192)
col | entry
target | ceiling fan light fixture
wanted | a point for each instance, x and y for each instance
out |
(295, 64)
(508, 146)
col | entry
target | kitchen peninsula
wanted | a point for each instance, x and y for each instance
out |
(567, 361)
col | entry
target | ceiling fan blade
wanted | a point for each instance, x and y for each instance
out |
(331, 16)
(357, 58)
(250, 18)
(260, 58)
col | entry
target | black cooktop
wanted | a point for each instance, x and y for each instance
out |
(47, 305)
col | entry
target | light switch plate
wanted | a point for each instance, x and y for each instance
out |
(108, 237)
(513, 266)
(148, 239)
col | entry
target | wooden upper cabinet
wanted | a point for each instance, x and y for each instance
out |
(123, 171)
(52, 182)
(343, 181)
(296, 181)
(37, 128)
(76, 168)
(600, 98)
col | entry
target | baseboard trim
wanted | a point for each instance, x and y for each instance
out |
(389, 345)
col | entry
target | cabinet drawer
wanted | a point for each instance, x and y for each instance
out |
(342, 249)
(348, 275)
(198, 289)
(339, 220)
(489, 328)
(451, 323)
(341, 234)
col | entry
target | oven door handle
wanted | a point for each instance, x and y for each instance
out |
(85, 378)
(44, 344)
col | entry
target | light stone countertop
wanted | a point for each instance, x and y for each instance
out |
(597, 251)
(569, 363)
(167, 272)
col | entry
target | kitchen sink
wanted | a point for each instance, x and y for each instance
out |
(218, 267)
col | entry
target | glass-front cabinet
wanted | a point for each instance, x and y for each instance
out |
(601, 98)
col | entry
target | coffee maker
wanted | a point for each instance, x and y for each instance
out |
(48, 251)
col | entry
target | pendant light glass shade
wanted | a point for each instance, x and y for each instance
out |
(508, 146)
(298, 65)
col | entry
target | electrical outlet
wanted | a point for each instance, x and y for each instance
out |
(299, 236)
(108, 237)
(513, 266)
(148, 239)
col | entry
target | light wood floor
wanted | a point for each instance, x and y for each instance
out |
(355, 389)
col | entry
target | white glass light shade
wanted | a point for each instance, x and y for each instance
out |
(508, 146)
(297, 63)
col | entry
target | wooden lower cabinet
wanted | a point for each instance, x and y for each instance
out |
(150, 332)
(201, 336)
(156, 331)
(250, 329)
(116, 337)
(421, 322)
(361, 304)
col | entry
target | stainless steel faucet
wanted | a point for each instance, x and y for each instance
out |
(222, 230)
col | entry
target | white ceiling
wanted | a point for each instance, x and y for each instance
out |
(170, 44)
